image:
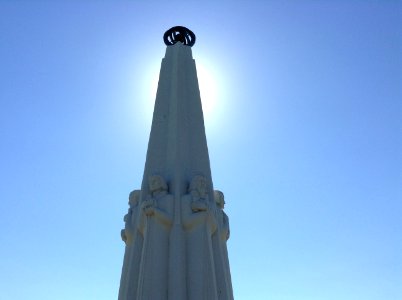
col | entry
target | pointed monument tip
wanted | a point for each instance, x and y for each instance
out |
(179, 34)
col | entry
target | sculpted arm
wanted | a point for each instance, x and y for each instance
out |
(163, 217)
(198, 213)
(140, 224)
(150, 209)
(193, 219)
(226, 220)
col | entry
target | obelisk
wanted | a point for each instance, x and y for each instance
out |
(176, 229)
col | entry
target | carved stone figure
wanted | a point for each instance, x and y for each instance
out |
(158, 209)
(224, 220)
(130, 235)
(130, 217)
(224, 283)
(199, 224)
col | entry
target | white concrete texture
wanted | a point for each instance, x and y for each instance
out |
(176, 230)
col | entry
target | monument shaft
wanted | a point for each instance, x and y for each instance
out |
(176, 230)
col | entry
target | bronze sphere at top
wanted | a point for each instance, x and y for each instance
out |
(179, 34)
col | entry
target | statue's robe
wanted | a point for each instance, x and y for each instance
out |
(133, 240)
(135, 256)
(155, 252)
(199, 227)
(223, 278)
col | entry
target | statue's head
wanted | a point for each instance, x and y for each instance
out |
(199, 184)
(219, 199)
(123, 235)
(157, 183)
(134, 197)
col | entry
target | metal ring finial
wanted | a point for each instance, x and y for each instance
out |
(179, 34)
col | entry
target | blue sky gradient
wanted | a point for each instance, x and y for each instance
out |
(304, 140)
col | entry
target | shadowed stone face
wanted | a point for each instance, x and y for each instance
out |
(157, 183)
(134, 198)
(199, 184)
(219, 199)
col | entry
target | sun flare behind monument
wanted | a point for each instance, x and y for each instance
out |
(175, 229)
(209, 91)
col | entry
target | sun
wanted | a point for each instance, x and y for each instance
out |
(211, 86)
(211, 81)
(208, 89)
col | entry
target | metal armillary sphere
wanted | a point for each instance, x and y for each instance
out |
(179, 34)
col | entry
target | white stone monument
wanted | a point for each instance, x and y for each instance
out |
(176, 230)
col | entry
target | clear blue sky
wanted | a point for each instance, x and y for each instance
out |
(305, 141)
